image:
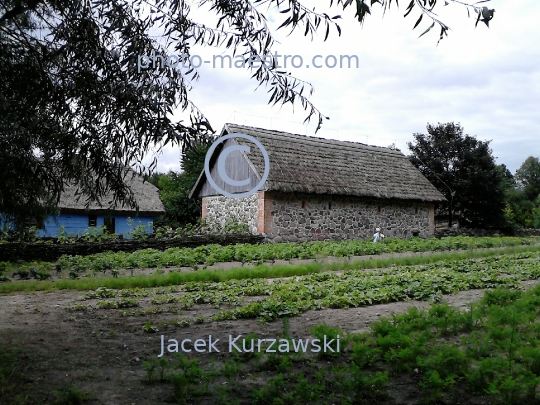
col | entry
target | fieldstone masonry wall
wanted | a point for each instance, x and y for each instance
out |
(299, 218)
(296, 218)
(221, 209)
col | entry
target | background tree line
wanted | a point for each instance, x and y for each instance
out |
(480, 193)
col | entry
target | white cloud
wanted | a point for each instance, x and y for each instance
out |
(486, 79)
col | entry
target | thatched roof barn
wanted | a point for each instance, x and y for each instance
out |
(356, 177)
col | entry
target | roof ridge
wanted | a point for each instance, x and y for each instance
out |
(313, 138)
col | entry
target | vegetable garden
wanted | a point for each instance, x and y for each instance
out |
(489, 353)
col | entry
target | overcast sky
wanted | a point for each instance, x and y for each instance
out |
(487, 79)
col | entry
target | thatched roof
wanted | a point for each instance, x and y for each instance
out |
(305, 164)
(146, 196)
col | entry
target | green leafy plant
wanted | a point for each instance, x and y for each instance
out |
(330, 334)
(186, 381)
(122, 303)
(138, 230)
(22, 274)
(149, 328)
(157, 369)
(70, 396)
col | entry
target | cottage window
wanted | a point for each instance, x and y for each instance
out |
(92, 220)
(33, 222)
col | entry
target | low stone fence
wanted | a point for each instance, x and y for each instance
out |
(528, 232)
(50, 252)
(485, 232)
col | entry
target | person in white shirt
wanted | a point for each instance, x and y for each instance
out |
(378, 235)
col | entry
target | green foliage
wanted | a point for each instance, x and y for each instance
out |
(435, 385)
(319, 271)
(354, 288)
(64, 237)
(522, 212)
(22, 274)
(77, 307)
(4, 277)
(101, 292)
(463, 169)
(8, 365)
(149, 328)
(522, 195)
(122, 303)
(20, 233)
(369, 389)
(187, 381)
(97, 234)
(138, 230)
(231, 369)
(157, 369)
(528, 178)
(174, 189)
(42, 275)
(70, 396)
(329, 333)
(246, 253)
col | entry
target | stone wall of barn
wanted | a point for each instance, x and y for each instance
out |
(220, 209)
(296, 218)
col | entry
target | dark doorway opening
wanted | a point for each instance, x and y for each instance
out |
(110, 225)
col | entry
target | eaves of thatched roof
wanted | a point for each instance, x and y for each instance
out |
(146, 196)
(303, 164)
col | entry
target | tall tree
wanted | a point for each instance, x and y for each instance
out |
(523, 198)
(174, 189)
(528, 177)
(79, 102)
(464, 170)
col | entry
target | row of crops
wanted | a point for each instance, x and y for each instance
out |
(257, 298)
(246, 253)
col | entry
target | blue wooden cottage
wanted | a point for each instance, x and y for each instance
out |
(75, 217)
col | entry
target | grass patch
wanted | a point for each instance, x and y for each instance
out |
(8, 372)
